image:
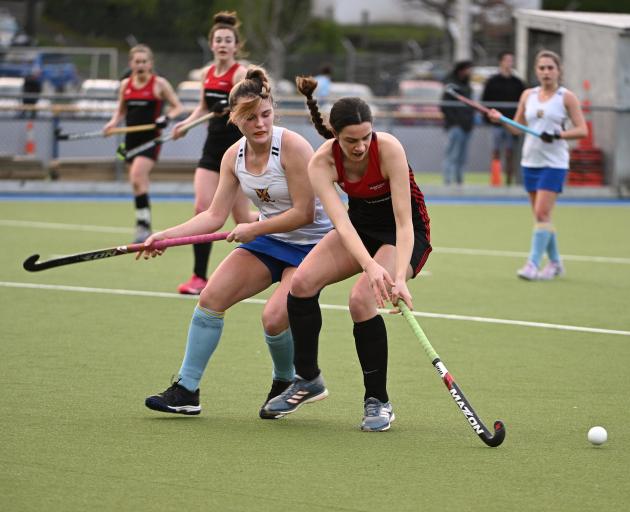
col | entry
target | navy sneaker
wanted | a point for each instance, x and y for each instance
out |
(176, 399)
(299, 392)
(277, 387)
(378, 416)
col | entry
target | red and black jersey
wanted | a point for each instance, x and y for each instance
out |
(143, 107)
(217, 88)
(370, 200)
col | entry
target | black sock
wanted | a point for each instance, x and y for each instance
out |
(370, 338)
(305, 319)
(143, 210)
(202, 255)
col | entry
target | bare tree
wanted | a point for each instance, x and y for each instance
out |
(272, 26)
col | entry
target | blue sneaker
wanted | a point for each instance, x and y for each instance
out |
(299, 392)
(378, 416)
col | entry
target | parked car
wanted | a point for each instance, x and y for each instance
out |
(349, 89)
(419, 102)
(55, 68)
(97, 98)
(9, 28)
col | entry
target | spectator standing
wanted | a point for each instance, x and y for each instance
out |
(504, 87)
(324, 79)
(31, 89)
(458, 122)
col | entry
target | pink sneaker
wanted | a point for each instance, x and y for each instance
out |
(552, 270)
(193, 286)
(529, 272)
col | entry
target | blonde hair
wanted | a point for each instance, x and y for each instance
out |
(141, 48)
(254, 88)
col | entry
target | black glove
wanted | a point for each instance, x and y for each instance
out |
(162, 122)
(549, 137)
(220, 106)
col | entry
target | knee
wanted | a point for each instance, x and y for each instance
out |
(542, 215)
(275, 320)
(209, 300)
(361, 304)
(302, 285)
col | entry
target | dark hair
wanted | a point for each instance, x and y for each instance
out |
(503, 54)
(461, 65)
(344, 112)
(227, 20)
(255, 87)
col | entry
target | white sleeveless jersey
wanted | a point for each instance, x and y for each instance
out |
(270, 193)
(549, 116)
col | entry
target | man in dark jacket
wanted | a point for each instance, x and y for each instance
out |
(504, 88)
(458, 121)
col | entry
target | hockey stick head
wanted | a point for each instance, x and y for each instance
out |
(121, 152)
(30, 263)
(497, 438)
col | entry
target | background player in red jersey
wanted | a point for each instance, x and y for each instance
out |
(217, 81)
(140, 101)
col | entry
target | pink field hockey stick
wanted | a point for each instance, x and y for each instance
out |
(32, 265)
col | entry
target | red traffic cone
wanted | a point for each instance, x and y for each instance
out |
(495, 172)
(29, 145)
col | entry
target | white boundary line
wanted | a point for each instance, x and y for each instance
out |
(334, 307)
(443, 250)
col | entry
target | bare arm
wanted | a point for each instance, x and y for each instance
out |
(395, 168)
(200, 110)
(296, 153)
(216, 215)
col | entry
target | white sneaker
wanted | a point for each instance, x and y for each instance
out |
(529, 272)
(552, 270)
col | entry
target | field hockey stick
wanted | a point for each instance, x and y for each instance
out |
(158, 141)
(32, 265)
(485, 110)
(59, 135)
(491, 439)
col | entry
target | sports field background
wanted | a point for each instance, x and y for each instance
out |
(83, 345)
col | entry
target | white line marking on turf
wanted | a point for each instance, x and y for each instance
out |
(66, 227)
(515, 254)
(333, 307)
(444, 250)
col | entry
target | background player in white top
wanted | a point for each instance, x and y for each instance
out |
(270, 165)
(545, 159)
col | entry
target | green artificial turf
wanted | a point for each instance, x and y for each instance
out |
(76, 365)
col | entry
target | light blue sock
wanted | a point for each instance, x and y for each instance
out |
(204, 334)
(552, 248)
(281, 350)
(540, 240)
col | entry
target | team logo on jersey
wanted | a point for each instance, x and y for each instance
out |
(540, 114)
(263, 195)
(377, 186)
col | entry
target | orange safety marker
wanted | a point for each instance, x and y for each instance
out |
(495, 172)
(29, 145)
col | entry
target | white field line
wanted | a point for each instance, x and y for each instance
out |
(334, 307)
(444, 250)
(65, 227)
(515, 254)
